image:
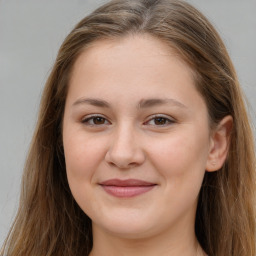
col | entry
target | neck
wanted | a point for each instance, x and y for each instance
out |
(164, 245)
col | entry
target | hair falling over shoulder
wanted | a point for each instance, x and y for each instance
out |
(50, 223)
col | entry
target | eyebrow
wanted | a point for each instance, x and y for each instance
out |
(156, 102)
(92, 101)
(144, 103)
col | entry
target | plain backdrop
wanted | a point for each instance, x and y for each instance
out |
(31, 32)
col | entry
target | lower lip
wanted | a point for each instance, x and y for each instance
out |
(127, 191)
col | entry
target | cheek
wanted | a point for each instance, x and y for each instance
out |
(83, 154)
(182, 154)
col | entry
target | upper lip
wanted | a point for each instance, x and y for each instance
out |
(126, 183)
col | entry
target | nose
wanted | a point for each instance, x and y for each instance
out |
(125, 151)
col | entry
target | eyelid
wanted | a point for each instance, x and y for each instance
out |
(85, 120)
(170, 119)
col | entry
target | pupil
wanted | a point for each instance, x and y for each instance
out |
(99, 120)
(160, 120)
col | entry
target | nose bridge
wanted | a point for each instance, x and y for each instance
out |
(125, 150)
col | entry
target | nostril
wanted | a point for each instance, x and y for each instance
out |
(123, 166)
(124, 157)
(112, 164)
(131, 165)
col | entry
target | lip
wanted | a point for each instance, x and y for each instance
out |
(126, 188)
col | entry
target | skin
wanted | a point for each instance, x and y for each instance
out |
(114, 80)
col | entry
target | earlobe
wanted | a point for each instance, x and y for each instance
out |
(219, 144)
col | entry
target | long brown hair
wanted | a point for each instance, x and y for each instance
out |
(49, 222)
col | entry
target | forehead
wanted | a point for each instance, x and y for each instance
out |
(131, 69)
(142, 49)
(124, 74)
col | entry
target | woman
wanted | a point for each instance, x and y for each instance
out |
(143, 145)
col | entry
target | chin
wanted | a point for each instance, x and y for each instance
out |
(126, 226)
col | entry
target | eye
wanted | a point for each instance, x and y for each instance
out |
(159, 121)
(95, 120)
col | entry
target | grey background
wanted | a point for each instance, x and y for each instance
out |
(31, 32)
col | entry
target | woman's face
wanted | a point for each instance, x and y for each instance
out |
(136, 137)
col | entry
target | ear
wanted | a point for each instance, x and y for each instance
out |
(219, 145)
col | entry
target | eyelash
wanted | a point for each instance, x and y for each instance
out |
(167, 120)
(92, 118)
